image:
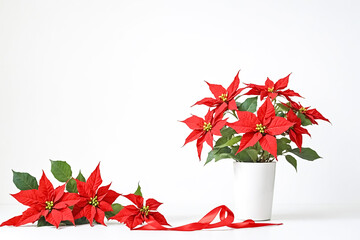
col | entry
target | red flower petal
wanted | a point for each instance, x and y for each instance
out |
(194, 122)
(282, 83)
(67, 215)
(215, 130)
(29, 216)
(199, 145)
(216, 90)
(234, 85)
(99, 216)
(291, 116)
(289, 93)
(105, 206)
(102, 191)
(94, 181)
(209, 139)
(248, 140)
(136, 199)
(134, 221)
(67, 200)
(316, 114)
(59, 192)
(125, 213)
(152, 203)
(12, 221)
(246, 123)
(221, 109)
(268, 143)
(193, 136)
(232, 105)
(78, 210)
(54, 217)
(269, 84)
(81, 187)
(210, 102)
(158, 217)
(111, 196)
(278, 125)
(296, 138)
(89, 213)
(266, 112)
(27, 197)
(46, 189)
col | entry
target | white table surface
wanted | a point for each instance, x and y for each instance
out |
(299, 222)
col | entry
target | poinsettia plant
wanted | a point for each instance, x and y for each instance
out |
(253, 132)
(87, 202)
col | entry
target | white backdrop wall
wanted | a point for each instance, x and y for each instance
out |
(90, 81)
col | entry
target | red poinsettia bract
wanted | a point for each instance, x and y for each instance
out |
(94, 201)
(262, 128)
(311, 114)
(224, 98)
(45, 201)
(204, 129)
(272, 90)
(134, 215)
(296, 131)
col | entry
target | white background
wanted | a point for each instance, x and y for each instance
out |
(90, 81)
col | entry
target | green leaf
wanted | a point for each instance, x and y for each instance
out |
(211, 155)
(281, 107)
(306, 153)
(24, 181)
(42, 222)
(231, 142)
(283, 145)
(304, 120)
(249, 105)
(280, 114)
(253, 154)
(292, 161)
(71, 186)
(221, 141)
(223, 153)
(116, 209)
(61, 170)
(246, 155)
(227, 132)
(80, 177)
(81, 221)
(138, 190)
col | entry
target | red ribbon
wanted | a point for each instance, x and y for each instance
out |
(226, 219)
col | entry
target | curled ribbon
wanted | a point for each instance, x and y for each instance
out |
(226, 220)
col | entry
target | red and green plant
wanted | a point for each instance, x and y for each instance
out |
(254, 138)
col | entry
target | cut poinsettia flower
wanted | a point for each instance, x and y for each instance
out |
(45, 201)
(134, 215)
(94, 201)
(261, 128)
(296, 131)
(311, 114)
(224, 98)
(204, 129)
(272, 90)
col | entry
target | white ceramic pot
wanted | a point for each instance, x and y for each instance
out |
(253, 190)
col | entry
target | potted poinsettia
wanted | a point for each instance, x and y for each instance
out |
(255, 132)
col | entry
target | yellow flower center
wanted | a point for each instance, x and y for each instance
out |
(207, 126)
(49, 205)
(145, 210)
(260, 128)
(94, 201)
(302, 110)
(270, 89)
(223, 97)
